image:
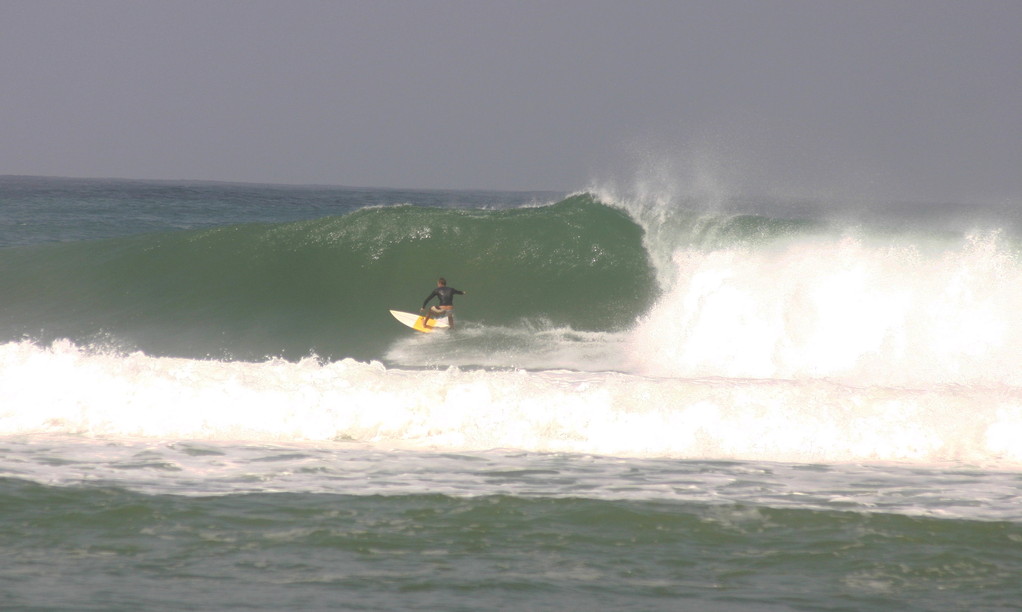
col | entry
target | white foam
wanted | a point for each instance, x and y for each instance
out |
(532, 345)
(915, 308)
(843, 310)
(64, 389)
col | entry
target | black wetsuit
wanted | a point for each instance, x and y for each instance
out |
(445, 294)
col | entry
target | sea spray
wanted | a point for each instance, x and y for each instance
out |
(906, 295)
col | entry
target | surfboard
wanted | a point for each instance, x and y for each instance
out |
(418, 322)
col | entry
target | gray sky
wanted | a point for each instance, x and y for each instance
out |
(902, 99)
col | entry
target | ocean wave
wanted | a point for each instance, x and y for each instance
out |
(653, 287)
(324, 286)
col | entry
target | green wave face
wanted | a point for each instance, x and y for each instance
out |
(324, 286)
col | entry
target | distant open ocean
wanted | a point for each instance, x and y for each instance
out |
(650, 402)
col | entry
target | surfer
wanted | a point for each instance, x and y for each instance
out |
(446, 306)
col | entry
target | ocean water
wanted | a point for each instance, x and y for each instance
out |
(651, 401)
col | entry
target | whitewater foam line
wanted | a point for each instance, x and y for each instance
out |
(114, 396)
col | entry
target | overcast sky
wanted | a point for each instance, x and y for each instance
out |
(908, 99)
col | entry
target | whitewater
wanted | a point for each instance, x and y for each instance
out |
(795, 378)
(477, 409)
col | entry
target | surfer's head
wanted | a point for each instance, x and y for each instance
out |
(441, 282)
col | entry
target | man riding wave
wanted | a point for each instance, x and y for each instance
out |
(445, 295)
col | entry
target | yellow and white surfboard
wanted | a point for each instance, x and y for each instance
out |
(418, 322)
